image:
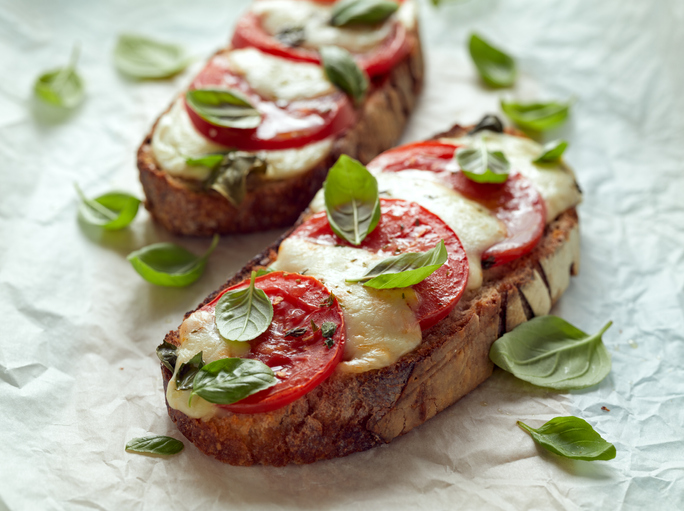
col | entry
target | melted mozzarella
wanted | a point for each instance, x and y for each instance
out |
(279, 79)
(555, 182)
(381, 327)
(175, 139)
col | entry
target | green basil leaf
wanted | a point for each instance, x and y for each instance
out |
(483, 166)
(166, 264)
(550, 352)
(168, 355)
(142, 57)
(61, 87)
(229, 380)
(342, 71)
(223, 107)
(209, 160)
(187, 372)
(292, 36)
(536, 116)
(571, 437)
(111, 211)
(361, 12)
(496, 68)
(264, 271)
(488, 123)
(352, 202)
(552, 152)
(230, 177)
(244, 314)
(155, 445)
(404, 270)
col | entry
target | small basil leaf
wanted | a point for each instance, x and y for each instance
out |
(296, 332)
(229, 380)
(244, 314)
(263, 271)
(404, 270)
(488, 123)
(550, 352)
(341, 70)
(142, 57)
(292, 36)
(61, 87)
(210, 160)
(552, 152)
(495, 67)
(483, 166)
(571, 437)
(230, 177)
(361, 12)
(223, 107)
(166, 264)
(155, 445)
(111, 211)
(352, 202)
(187, 371)
(536, 116)
(168, 355)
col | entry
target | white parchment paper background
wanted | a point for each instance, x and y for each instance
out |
(78, 375)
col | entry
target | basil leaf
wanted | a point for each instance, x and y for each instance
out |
(155, 445)
(111, 211)
(168, 355)
(496, 68)
(244, 314)
(488, 123)
(352, 203)
(223, 107)
(361, 12)
(404, 270)
(536, 116)
(292, 36)
(296, 332)
(209, 160)
(552, 152)
(571, 437)
(549, 352)
(229, 380)
(187, 372)
(342, 71)
(483, 166)
(230, 177)
(264, 271)
(142, 57)
(61, 87)
(166, 264)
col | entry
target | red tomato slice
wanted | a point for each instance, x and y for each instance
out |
(301, 362)
(516, 202)
(283, 126)
(379, 61)
(407, 227)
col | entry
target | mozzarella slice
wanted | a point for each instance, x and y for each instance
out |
(381, 327)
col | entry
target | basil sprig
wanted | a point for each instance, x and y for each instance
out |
(352, 203)
(342, 71)
(571, 437)
(141, 57)
(404, 270)
(361, 12)
(552, 152)
(481, 165)
(496, 68)
(230, 175)
(229, 380)
(166, 264)
(158, 445)
(223, 107)
(187, 372)
(550, 352)
(168, 355)
(61, 87)
(111, 211)
(244, 314)
(536, 116)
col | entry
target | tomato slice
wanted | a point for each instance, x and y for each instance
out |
(517, 203)
(408, 227)
(379, 61)
(284, 125)
(301, 362)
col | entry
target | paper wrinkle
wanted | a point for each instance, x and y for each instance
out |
(78, 373)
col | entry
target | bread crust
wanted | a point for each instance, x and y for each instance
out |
(183, 209)
(351, 412)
